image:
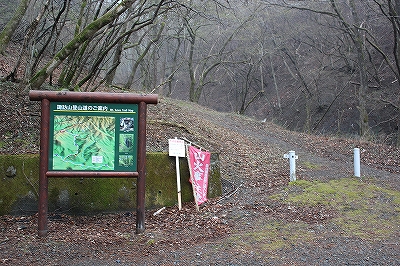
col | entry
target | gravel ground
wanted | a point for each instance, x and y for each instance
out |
(243, 227)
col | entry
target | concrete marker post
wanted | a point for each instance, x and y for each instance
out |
(292, 163)
(357, 162)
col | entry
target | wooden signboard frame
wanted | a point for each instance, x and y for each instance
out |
(46, 97)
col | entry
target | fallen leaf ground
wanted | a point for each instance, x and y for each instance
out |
(253, 223)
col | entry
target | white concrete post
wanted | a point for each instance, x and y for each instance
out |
(292, 162)
(357, 162)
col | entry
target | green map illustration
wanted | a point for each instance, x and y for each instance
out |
(84, 143)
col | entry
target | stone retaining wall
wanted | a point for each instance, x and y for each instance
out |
(19, 185)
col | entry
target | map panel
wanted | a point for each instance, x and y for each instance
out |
(84, 143)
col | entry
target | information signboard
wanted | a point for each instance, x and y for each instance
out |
(92, 134)
(93, 137)
(176, 147)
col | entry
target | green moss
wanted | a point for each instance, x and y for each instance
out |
(161, 179)
(311, 166)
(18, 182)
(333, 193)
(301, 183)
(92, 195)
(40, 74)
(272, 236)
(215, 186)
(365, 210)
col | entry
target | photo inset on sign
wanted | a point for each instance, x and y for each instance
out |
(83, 143)
(126, 124)
(126, 160)
(126, 143)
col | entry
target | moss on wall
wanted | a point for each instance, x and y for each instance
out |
(19, 186)
(18, 183)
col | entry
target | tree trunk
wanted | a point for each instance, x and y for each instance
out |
(52, 37)
(174, 64)
(359, 43)
(278, 97)
(9, 29)
(142, 55)
(353, 29)
(28, 36)
(77, 41)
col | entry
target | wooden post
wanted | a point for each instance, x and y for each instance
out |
(141, 165)
(43, 166)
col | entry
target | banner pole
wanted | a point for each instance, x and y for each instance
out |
(191, 178)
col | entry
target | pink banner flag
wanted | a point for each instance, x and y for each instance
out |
(199, 163)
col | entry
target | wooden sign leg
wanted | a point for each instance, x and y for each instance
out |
(43, 167)
(141, 165)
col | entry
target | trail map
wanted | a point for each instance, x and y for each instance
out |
(84, 143)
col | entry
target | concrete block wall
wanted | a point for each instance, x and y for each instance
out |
(19, 186)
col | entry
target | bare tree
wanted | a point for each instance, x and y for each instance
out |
(142, 54)
(12, 76)
(200, 66)
(143, 15)
(11, 26)
(347, 14)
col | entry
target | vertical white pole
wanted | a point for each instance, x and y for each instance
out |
(178, 182)
(292, 162)
(357, 162)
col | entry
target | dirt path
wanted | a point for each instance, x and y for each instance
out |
(315, 163)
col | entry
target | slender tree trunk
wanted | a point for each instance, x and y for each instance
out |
(192, 87)
(278, 97)
(116, 61)
(353, 29)
(359, 43)
(52, 37)
(11, 26)
(174, 64)
(135, 66)
(307, 92)
(28, 36)
(87, 34)
(397, 56)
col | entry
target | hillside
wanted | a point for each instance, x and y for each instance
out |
(246, 226)
(229, 134)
